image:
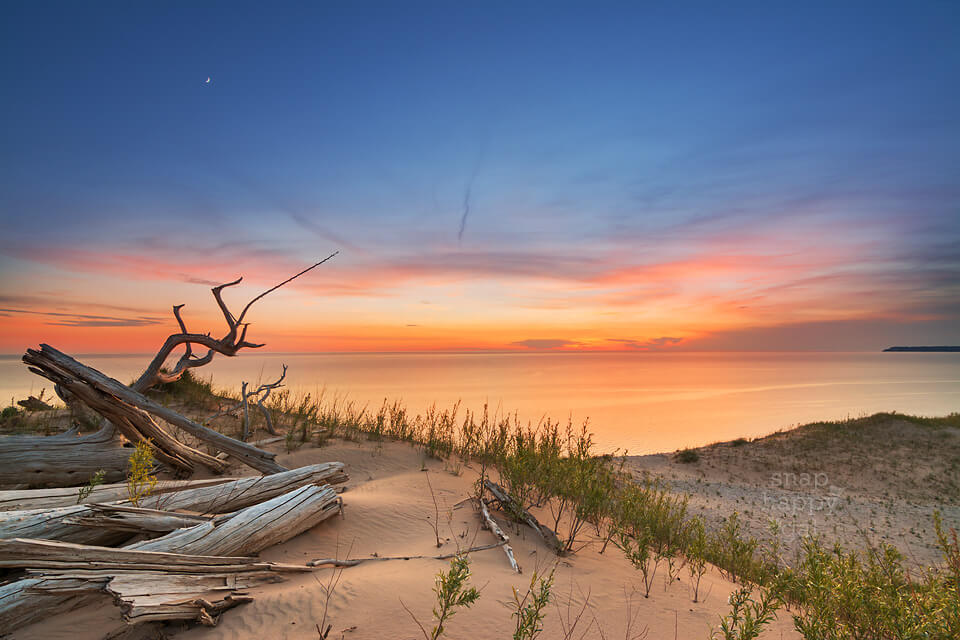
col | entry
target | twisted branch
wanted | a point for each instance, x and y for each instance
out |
(228, 345)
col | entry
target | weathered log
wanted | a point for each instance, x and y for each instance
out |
(135, 520)
(50, 554)
(63, 459)
(492, 525)
(69, 496)
(135, 424)
(510, 506)
(147, 596)
(52, 361)
(255, 528)
(58, 523)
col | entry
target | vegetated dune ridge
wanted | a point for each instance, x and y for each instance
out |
(389, 511)
(857, 482)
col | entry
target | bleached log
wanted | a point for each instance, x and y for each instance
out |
(248, 531)
(58, 523)
(68, 496)
(65, 556)
(494, 528)
(63, 459)
(52, 361)
(134, 423)
(256, 443)
(135, 520)
(255, 528)
(510, 506)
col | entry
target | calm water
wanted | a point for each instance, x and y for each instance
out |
(645, 402)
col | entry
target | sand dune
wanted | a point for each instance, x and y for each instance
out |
(389, 511)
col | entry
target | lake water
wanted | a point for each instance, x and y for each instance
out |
(644, 402)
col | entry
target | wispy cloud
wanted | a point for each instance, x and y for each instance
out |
(545, 343)
(647, 345)
(86, 320)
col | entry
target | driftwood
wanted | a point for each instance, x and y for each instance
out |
(352, 562)
(60, 523)
(66, 461)
(161, 595)
(63, 459)
(48, 554)
(53, 363)
(245, 396)
(254, 528)
(69, 496)
(135, 520)
(229, 345)
(510, 506)
(492, 525)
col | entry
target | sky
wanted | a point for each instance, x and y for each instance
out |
(495, 176)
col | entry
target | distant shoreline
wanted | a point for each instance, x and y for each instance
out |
(942, 349)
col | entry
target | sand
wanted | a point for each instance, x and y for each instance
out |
(389, 511)
(876, 479)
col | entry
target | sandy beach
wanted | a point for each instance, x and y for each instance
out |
(388, 511)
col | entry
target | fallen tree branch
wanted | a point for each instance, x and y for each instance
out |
(492, 525)
(510, 506)
(63, 459)
(155, 595)
(333, 562)
(55, 363)
(55, 524)
(50, 554)
(69, 496)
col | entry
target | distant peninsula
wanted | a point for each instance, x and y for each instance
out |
(923, 349)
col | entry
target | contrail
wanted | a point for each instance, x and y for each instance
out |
(466, 212)
(466, 196)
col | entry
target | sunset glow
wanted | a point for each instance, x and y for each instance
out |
(638, 196)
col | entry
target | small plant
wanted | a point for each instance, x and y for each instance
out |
(452, 593)
(96, 479)
(140, 478)
(747, 616)
(697, 547)
(529, 610)
(9, 412)
(687, 456)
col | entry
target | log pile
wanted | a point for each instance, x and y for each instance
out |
(200, 568)
(184, 552)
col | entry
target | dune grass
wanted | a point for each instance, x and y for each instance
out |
(831, 592)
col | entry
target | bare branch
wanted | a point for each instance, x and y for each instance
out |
(227, 345)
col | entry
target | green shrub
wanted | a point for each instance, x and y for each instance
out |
(687, 456)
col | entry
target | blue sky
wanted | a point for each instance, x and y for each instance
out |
(582, 140)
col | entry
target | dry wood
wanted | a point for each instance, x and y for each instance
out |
(63, 459)
(229, 345)
(492, 525)
(510, 506)
(135, 424)
(333, 562)
(245, 396)
(255, 528)
(50, 554)
(58, 523)
(68, 496)
(144, 595)
(148, 522)
(51, 362)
